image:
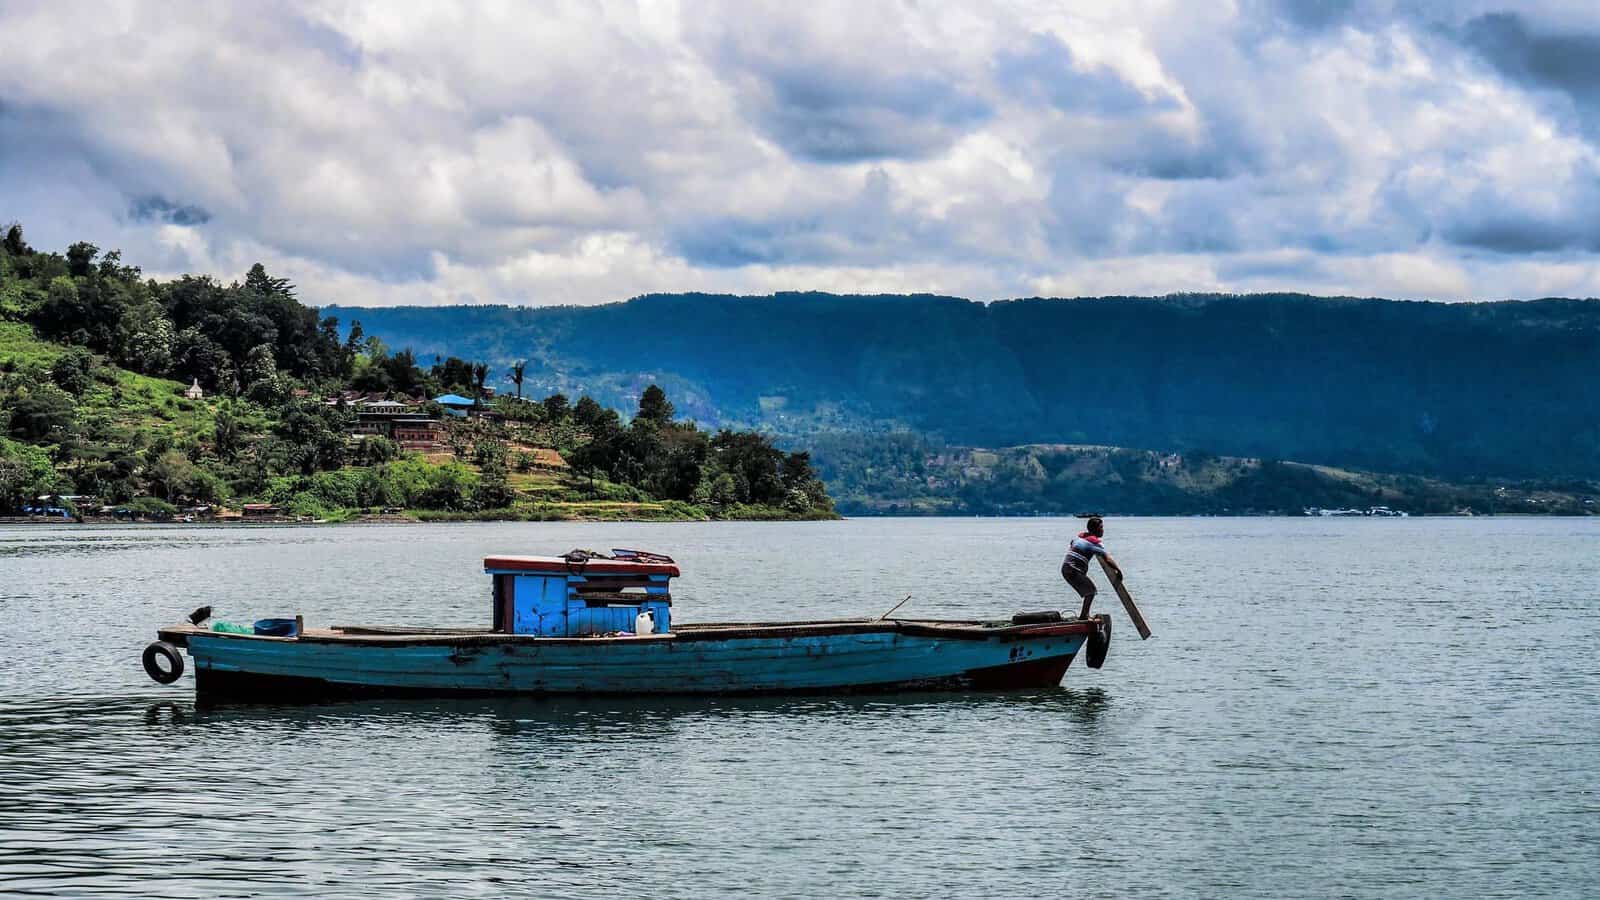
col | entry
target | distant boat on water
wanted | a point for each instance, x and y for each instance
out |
(588, 623)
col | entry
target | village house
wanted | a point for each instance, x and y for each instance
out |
(455, 404)
(400, 421)
(417, 433)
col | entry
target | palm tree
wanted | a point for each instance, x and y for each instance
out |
(518, 369)
(225, 435)
(480, 374)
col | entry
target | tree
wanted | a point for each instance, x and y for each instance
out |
(655, 407)
(25, 473)
(315, 435)
(722, 490)
(401, 372)
(87, 312)
(259, 281)
(797, 470)
(15, 486)
(450, 486)
(259, 365)
(587, 413)
(111, 267)
(199, 357)
(555, 407)
(225, 435)
(41, 414)
(375, 449)
(494, 486)
(454, 375)
(480, 374)
(336, 360)
(145, 339)
(488, 451)
(804, 489)
(518, 371)
(688, 450)
(80, 258)
(13, 243)
(73, 371)
(173, 477)
(756, 465)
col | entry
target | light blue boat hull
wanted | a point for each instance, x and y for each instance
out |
(710, 660)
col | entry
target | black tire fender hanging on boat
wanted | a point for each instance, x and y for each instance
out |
(174, 667)
(1099, 642)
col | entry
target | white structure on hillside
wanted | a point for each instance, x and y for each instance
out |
(193, 391)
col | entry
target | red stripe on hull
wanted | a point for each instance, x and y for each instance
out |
(1034, 673)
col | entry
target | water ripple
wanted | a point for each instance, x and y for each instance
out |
(1356, 709)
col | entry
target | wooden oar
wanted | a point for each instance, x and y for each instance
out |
(1127, 601)
(893, 608)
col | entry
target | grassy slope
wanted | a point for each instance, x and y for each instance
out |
(132, 403)
(19, 344)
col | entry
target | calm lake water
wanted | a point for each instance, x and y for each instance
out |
(1363, 708)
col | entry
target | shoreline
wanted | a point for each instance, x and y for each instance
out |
(444, 517)
(427, 517)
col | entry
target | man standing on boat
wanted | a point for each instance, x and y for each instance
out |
(1075, 568)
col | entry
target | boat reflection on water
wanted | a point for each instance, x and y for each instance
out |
(610, 716)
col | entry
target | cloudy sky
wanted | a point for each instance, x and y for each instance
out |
(384, 153)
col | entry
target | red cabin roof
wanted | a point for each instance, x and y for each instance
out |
(558, 564)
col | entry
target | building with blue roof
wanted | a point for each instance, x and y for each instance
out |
(454, 404)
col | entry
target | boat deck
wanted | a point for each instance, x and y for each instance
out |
(378, 635)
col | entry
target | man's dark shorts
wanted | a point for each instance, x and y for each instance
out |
(1079, 580)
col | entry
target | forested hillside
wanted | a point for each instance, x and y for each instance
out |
(153, 397)
(1459, 390)
(127, 396)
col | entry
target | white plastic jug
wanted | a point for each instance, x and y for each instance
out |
(644, 622)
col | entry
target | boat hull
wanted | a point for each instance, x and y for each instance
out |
(740, 659)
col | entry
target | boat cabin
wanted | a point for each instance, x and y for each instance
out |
(575, 596)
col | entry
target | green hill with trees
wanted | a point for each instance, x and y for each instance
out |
(149, 399)
(142, 398)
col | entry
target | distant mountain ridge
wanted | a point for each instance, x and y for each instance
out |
(1508, 389)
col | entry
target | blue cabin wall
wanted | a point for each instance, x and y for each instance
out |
(539, 605)
(551, 606)
(586, 619)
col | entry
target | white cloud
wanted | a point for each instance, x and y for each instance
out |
(380, 154)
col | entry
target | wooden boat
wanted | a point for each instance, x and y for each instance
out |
(566, 625)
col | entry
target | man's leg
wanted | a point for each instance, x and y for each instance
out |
(1083, 585)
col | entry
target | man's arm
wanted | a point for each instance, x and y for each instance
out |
(1111, 565)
